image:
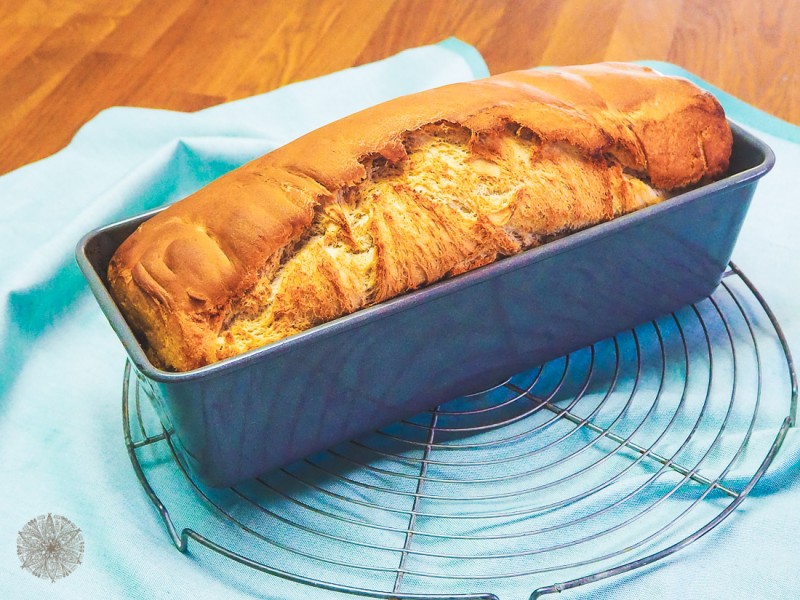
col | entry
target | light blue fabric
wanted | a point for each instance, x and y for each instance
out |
(61, 447)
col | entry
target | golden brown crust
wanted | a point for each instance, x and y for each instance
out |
(187, 274)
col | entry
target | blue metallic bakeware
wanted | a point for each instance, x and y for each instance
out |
(246, 415)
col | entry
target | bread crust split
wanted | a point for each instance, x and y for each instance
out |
(406, 193)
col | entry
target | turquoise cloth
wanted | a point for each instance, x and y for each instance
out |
(61, 447)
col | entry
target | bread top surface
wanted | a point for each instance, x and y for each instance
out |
(178, 275)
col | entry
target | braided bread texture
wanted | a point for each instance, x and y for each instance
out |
(407, 193)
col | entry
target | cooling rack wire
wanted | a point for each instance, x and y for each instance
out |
(606, 460)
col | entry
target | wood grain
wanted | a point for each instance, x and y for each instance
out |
(62, 61)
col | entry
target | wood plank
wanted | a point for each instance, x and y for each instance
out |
(170, 64)
(132, 37)
(37, 12)
(19, 41)
(205, 40)
(412, 23)
(32, 79)
(280, 57)
(343, 39)
(720, 41)
(61, 62)
(644, 30)
(60, 12)
(582, 32)
(272, 53)
(522, 35)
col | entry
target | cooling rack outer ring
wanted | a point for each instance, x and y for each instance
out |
(457, 438)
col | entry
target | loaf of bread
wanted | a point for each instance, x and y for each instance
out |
(406, 193)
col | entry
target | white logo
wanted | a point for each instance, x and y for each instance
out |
(50, 546)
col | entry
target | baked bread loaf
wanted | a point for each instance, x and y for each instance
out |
(404, 194)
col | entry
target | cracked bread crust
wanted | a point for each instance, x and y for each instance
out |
(404, 194)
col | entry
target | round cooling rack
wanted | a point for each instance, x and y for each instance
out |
(592, 465)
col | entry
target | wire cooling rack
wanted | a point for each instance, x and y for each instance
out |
(589, 466)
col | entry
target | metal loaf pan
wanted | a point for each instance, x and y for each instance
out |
(246, 415)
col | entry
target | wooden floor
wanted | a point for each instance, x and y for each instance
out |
(62, 61)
